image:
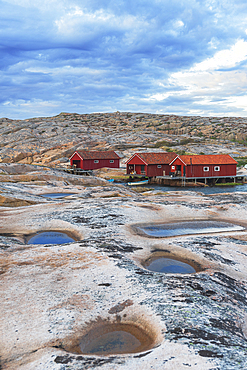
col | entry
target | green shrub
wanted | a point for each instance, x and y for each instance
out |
(241, 161)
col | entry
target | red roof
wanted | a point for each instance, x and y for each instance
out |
(207, 159)
(84, 154)
(156, 158)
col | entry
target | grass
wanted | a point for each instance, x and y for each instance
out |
(140, 189)
(181, 152)
(113, 195)
(241, 161)
(162, 193)
(162, 143)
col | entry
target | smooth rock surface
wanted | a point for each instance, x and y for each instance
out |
(52, 295)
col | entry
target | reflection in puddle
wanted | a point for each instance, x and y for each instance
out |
(188, 227)
(56, 195)
(112, 343)
(169, 266)
(50, 237)
(115, 338)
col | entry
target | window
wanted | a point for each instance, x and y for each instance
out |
(173, 167)
(159, 166)
(143, 169)
(217, 168)
(111, 160)
(205, 169)
(96, 161)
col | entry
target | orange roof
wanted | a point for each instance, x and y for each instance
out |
(97, 154)
(207, 159)
(156, 158)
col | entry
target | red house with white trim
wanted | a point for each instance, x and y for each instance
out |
(92, 160)
(204, 166)
(150, 164)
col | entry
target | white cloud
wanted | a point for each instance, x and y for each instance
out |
(210, 83)
(179, 24)
(205, 78)
(134, 55)
(224, 58)
(238, 101)
(159, 96)
(78, 19)
(69, 22)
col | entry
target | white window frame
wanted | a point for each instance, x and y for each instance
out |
(206, 169)
(217, 168)
(111, 160)
(159, 166)
(96, 161)
(173, 167)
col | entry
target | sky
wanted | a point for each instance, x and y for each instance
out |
(161, 56)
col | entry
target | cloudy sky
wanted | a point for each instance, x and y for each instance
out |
(185, 57)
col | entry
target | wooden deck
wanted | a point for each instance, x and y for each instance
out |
(212, 180)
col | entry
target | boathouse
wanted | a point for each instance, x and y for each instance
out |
(204, 166)
(150, 164)
(92, 160)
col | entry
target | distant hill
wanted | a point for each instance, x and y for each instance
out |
(51, 140)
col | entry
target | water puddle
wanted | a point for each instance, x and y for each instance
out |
(187, 228)
(167, 265)
(115, 338)
(56, 195)
(118, 341)
(50, 237)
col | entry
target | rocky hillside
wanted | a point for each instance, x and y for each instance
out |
(51, 140)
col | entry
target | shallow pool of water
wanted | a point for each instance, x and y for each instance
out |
(114, 338)
(50, 237)
(56, 195)
(187, 228)
(112, 343)
(169, 266)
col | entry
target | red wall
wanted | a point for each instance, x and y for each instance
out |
(197, 170)
(176, 163)
(134, 165)
(76, 158)
(136, 160)
(88, 164)
(151, 170)
(131, 168)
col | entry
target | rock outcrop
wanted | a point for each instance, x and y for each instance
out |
(52, 295)
(52, 140)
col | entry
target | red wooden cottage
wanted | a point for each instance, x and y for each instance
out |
(204, 166)
(91, 160)
(150, 164)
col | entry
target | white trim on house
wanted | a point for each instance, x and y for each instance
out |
(136, 155)
(175, 159)
(74, 154)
